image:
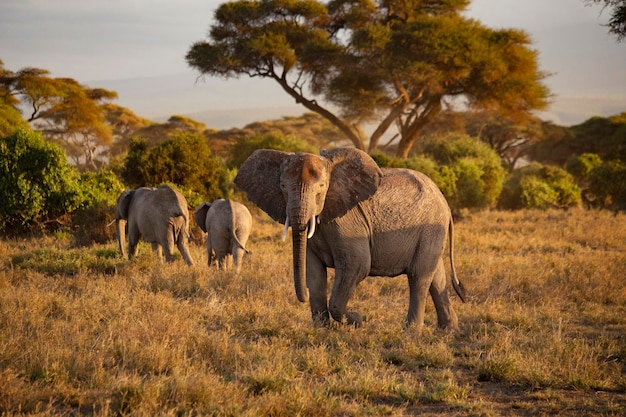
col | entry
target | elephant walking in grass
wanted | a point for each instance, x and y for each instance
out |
(348, 214)
(228, 226)
(159, 215)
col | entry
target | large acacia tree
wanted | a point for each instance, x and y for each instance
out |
(393, 64)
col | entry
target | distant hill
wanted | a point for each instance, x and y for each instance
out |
(227, 119)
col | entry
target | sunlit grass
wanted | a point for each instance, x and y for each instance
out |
(83, 331)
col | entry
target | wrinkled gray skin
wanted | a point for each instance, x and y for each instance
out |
(362, 221)
(228, 226)
(159, 215)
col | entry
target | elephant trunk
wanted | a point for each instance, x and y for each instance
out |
(299, 237)
(120, 225)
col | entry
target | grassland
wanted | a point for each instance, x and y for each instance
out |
(83, 332)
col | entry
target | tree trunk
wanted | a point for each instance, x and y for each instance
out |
(312, 105)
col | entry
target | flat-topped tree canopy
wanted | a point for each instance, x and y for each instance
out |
(393, 64)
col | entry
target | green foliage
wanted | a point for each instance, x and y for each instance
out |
(607, 183)
(581, 166)
(10, 119)
(537, 193)
(244, 147)
(540, 186)
(100, 191)
(605, 136)
(474, 174)
(37, 183)
(184, 160)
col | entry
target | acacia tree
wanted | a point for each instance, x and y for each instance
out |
(66, 112)
(510, 138)
(393, 63)
(77, 121)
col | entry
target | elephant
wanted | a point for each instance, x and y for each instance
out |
(348, 214)
(228, 224)
(160, 215)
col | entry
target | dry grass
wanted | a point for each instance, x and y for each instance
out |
(83, 332)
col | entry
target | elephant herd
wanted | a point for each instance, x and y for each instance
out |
(161, 217)
(344, 212)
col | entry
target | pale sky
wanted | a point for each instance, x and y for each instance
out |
(137, 48)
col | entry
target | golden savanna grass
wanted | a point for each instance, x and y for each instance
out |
(83, 332)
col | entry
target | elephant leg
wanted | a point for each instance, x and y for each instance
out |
(446, 317)
(238, 253)
(156, 249)
(347, 277)
(209, 251)
(168, 246)
(133, 244)
(317, 283)
(222, 260)
(183, 248)
(420, 278)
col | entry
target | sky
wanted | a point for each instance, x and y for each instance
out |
(137, 48)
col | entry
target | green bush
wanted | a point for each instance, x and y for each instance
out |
(469, 185)
(607, 183)
(539, 186)
(243, 147)
(38, 185)
(100, 191)
(581, 166)
(475, 173)
(184, 160)
(537, 193)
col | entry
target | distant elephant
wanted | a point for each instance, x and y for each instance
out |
(160, 215)
(360, 220)
(228, 225)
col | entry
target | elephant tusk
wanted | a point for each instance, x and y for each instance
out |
(111, 224)
(311, 228)
(286, 228)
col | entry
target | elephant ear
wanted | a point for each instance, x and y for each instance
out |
(355, 177)
(259, 177)
(123, 203)
(200, 215)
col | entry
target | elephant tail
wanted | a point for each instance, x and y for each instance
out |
(239, 242)
(458, 286)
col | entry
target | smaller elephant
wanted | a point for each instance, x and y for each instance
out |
(228, 226)
(159, 215)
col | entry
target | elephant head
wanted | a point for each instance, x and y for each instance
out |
(302, 189)
(121, 217)
(200, 215)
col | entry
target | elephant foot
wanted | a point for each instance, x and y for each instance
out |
(452, 326)
(321, 319)
(354, 319)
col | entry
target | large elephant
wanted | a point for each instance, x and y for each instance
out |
(160, 215)
(360, 220)
(228, 226)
